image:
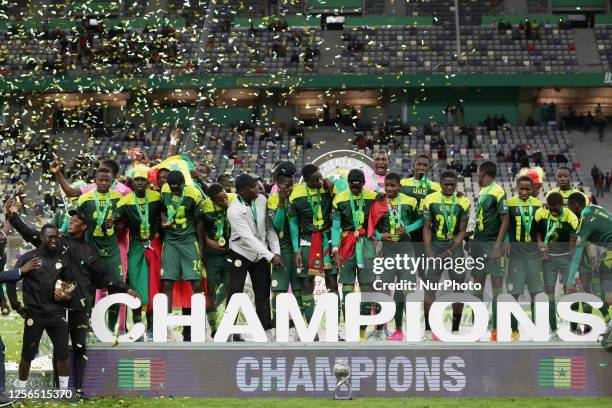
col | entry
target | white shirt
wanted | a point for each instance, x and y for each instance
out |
(254, 242)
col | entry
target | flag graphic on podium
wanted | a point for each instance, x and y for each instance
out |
(141, 373)
(568, 373)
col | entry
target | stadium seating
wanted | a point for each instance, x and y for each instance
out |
(261, 51)
(603, 35)
(444, 10)
(433, 49)
(161, 50)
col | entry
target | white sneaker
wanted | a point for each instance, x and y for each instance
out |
(428, 335)
(271, 333)
(555, 336)
(171, 337)
(376, 335)
(293, 334)
(341, 336)
(18, 384)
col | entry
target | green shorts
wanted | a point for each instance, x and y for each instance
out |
(303, 273)
(553, 266)
(217, 270)
(390, 250)
(435, 269)
(349, 271)
(523, 271)
(605, 274)
(285, 274)
(492, 267)
(181, 261)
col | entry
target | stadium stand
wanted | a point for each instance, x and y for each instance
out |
(423, 49)
(603, 35)
(270, 48)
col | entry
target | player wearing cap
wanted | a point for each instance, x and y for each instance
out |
(181, 249)
(525, 266)
(216, 233)
(445, 216)
(557, 229)
(98, 206)
(391, 221)
(140, 212)
(278, 212)
(253, 246)
(491, 226)
(353, 250)
(309, 225)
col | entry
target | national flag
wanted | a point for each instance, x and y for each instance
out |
(568, 373)
(141, 373)
(181, 163)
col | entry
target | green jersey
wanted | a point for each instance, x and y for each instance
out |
(445, 214)
(595, 226)
(181, 212)
(97, 208)
(281, 227)
(215, 218)
(418, 189)
(491, 204)
(558, 229)
(343, 209)
(304, 202)
(566, 193)
(523, 229)
(405, 208)
(141, 214)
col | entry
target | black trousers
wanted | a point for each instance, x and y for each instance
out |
(260, 278)
(2, 373)
(57, 330)
(78, 327)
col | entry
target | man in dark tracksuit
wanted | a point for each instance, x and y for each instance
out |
(41, 312)
(83, 266)
(10, 276)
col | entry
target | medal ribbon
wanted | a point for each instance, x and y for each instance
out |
(449, 216)
(527, 221)
(356, 223)
(253, 214)
(220, 223)
(423, 182)
(317, 216)
(549, 230)
(395, 214)
(145, 229)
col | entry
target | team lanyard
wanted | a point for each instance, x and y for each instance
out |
(527, 221)
(100, 219)
(376, 183)
(253, 213)
(317, 216)
(549, 230)
(449, 216)
(395, 214)
(173, 210)
(358, 214)
(220, 222)
(145, 231)
(424, 182)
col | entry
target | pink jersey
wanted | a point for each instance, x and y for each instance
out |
(375, 182)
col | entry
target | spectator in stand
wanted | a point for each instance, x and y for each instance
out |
(599, 184)
(588, 122)
(608, 181)
(594, 172)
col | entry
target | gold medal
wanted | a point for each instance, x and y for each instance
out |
(221, 241)
(281, 234)
(356, 233)
(527, 238)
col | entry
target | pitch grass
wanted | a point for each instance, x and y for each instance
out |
(324, 403)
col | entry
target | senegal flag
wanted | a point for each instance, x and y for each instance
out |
(563, 373)
(181, 163)
(141, 373)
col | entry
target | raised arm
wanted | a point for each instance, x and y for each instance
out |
(64, 184)
(28, 233)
